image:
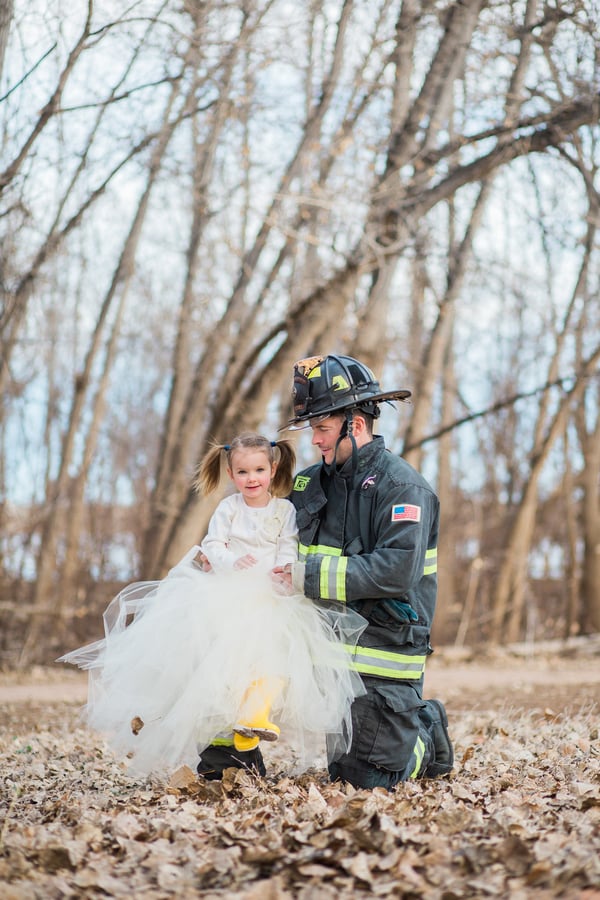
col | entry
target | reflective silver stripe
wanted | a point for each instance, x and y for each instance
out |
(386, 664)
(340, 591)
(332, 578)
(430, 562)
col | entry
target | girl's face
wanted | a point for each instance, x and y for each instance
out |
(251, 472)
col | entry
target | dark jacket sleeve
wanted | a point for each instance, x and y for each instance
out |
(394, 560)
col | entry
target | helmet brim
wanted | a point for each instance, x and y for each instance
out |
(299, 422)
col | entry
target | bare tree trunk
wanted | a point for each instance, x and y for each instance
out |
(448, 582)
(508, 596)
(74, 524)
(372, 340)
(590, 480)
(429, 371)
(6, 15)
(589, 433)
(572, 539)
(469, 604)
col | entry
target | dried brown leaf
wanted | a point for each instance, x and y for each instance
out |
(184, 779)
(137, 724)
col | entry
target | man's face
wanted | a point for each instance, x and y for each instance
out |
(324, 436)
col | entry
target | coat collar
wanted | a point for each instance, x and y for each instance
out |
(367, 454)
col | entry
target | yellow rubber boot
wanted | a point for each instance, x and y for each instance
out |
(240, 742)
(254, 721)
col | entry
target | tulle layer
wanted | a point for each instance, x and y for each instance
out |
(182, 658)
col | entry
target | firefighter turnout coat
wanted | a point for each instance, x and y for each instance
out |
(368, 537)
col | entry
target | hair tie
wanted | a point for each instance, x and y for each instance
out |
(273, 443)
(227, 447)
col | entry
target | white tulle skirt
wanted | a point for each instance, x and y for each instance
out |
(180, 656)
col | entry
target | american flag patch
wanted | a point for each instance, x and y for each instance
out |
(406, 512)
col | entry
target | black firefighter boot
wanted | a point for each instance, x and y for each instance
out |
(215, 758)
(436, 721)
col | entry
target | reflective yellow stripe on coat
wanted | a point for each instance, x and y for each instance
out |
(386, 664)
(332, 578)
(367, 660)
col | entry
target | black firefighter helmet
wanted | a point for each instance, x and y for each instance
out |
(324, 385)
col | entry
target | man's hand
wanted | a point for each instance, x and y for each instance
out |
(281, 577)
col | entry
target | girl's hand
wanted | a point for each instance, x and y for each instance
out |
(245, 562)
(201, 560)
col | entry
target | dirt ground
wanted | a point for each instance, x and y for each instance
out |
(557, 676)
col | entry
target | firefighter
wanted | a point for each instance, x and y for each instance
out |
(368, 529)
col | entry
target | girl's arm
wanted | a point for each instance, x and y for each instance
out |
(287, 542)
(215, 544)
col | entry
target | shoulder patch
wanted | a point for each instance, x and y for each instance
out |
(301, 482)
(406, 512)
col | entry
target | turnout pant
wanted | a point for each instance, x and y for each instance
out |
(392, 738)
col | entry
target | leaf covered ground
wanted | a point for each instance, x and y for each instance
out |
(519, 817)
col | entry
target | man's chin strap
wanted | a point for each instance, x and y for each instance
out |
(349, 421)
(346, 431)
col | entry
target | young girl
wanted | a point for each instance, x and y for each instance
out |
(211, 653)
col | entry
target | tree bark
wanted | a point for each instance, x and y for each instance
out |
(590, 577)
(6, 17)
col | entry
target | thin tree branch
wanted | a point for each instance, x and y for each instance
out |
(169, 79)
(495, 407)
(27, 74)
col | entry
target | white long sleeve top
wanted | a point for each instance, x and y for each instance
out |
(269, 533)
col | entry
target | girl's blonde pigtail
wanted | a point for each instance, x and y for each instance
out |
(209, 473)
(283, 479)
